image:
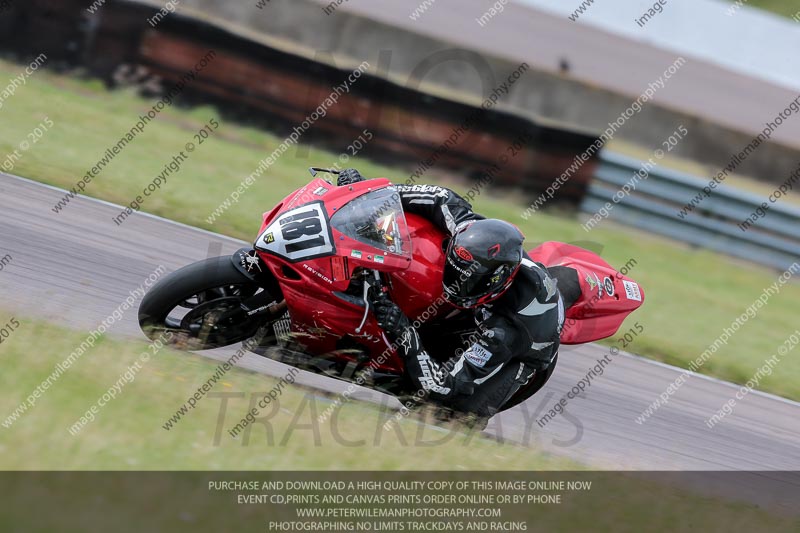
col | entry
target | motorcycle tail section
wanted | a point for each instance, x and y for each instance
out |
(606, 298)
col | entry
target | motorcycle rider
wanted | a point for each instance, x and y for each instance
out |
(517, 306)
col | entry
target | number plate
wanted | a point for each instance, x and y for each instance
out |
(301, 233)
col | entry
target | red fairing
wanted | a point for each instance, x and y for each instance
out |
(607, 296)
(311, 277)
(418, 290)
(317, 237)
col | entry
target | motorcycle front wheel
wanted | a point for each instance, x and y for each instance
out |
(201, 305)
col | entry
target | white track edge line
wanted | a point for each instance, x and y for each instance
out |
(232, 239)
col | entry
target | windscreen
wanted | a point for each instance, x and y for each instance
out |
(376, 219)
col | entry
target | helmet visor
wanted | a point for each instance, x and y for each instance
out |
(465, 282)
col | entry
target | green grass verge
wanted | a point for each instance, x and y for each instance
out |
(127, 436)
(787, 8)
(127, 433)
(691, 294)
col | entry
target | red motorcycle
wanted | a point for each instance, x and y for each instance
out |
(302, 294)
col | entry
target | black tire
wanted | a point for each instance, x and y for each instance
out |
(211, 290)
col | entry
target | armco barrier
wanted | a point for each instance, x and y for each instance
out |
(773, 240)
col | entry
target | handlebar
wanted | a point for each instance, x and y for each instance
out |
(378, 291)
(374, 292)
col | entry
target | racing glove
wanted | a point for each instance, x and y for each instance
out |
(391, 318)
(426, 374)
(349, 176)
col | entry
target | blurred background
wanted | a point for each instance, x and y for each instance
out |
(596, 122)
(720, 71)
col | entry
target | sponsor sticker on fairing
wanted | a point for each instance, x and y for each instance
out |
(477, 355)
(608, 285)
(356, 254)
(250, 261)
(632, 291)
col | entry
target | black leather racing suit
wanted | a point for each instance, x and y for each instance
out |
(516, 336)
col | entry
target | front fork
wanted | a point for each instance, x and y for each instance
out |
(268, 303)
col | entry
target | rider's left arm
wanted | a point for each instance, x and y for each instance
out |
(443, 207)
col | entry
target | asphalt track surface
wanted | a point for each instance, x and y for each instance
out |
(76, 267)
(602, 59)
